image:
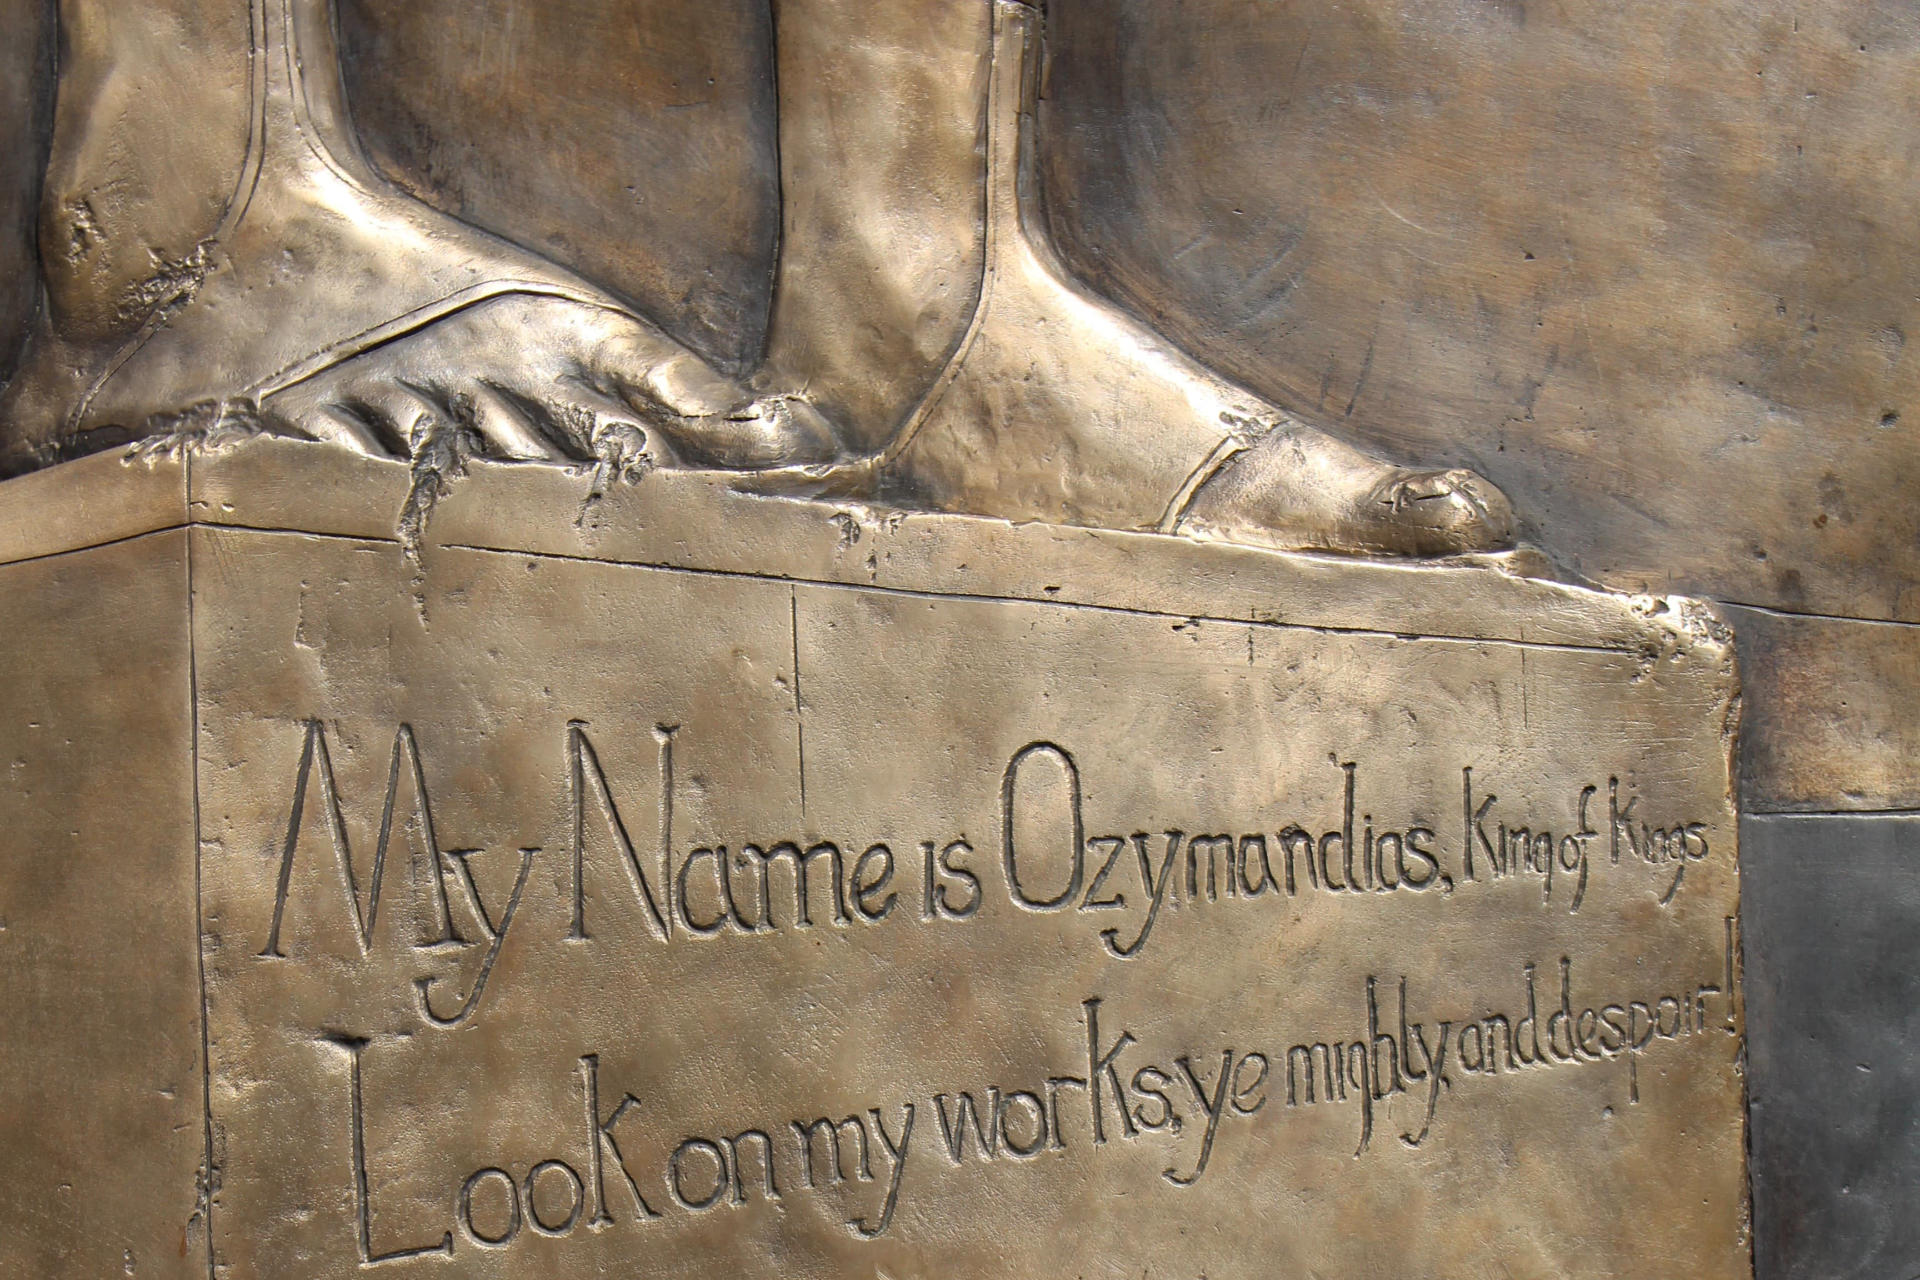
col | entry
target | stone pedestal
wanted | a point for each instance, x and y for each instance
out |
(681, 883)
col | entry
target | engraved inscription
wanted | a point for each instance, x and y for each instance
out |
(783, 883)
(1408, 1047)
(1186, 1100)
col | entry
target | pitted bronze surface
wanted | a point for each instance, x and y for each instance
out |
(846, 893)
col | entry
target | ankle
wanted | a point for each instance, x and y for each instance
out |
(131, 192)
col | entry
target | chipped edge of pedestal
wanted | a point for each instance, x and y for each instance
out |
(698, 522)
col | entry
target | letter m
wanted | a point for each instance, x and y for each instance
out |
(836, 1152)
(316, 759)
(1330, 1071)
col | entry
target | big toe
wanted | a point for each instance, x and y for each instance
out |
(779, 431)
(710, 419)
(773, 431)
(1449, 511)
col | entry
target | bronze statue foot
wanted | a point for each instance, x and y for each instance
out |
(1302, 490)
(331, 305)
(545, 378)
(1059, 406)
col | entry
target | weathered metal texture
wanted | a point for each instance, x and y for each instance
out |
(103, 1128)
(235, 262)
(1832, 713)
(631, 142)
(26, 117)
(553, 719)
(1649, 267)
(213, 235)
(1832, 925)
(1643, 266)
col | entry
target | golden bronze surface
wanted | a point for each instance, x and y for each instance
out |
(572, 893)
(633, 650)
(235, 264)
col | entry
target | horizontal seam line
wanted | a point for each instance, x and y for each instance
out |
(299, 533)
(1832, 813)
(907, 592)
(201, 524)
(1820, 617)
(921, 594)
(96, 546)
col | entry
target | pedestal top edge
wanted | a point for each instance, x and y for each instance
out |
(698, 522)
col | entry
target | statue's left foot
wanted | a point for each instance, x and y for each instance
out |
(1058, 406)
(1297, 489)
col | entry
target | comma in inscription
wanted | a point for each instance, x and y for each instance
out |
(607, 1170)
(722, 890)
(1119, 1094)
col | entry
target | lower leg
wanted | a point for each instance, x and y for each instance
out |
(882, 117)
(149, 138)
(308, 288)
(152, 124)
(1054, 404)
(26, 123)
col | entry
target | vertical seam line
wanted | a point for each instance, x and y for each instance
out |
(208, 1168)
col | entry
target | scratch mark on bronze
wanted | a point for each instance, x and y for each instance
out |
(799, 716)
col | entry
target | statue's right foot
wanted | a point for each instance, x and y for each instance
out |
(537, 377)
(1293, 488)
(332, 306)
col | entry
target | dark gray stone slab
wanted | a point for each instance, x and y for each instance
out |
(1831, 918)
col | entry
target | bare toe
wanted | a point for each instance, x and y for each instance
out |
(1298, 489)
(609, 432)
(508, 427)
(774, 431)
(676, 380)
(405, 414)
(712, 420)
(1447, 511)
(337, 424)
